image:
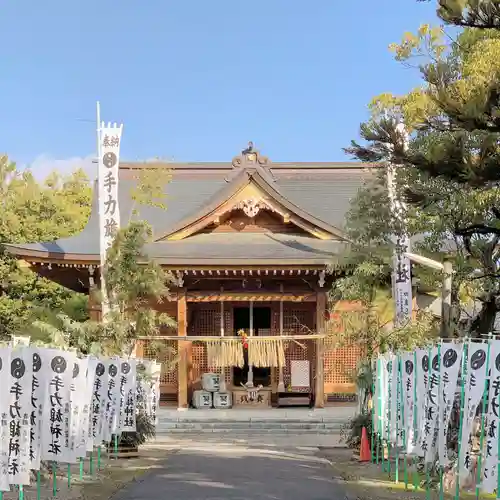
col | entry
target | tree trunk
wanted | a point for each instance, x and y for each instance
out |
(484, 322)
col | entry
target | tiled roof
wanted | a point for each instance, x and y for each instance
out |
(322, 190)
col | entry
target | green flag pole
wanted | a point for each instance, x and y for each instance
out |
(99, 457)
(91, 462)
(372, 366)
(38, 485)
(21, 492)
(498, 463)
(461, 417)
(54, 480)
(81, 468)
(69, 475)
(481, 439)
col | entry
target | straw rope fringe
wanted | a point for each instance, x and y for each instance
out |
(266, 353)
(225, 352)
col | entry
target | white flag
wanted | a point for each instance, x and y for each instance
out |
(85, 439)
(423, 366)
(20, 382)
(56, 410)
(490, 470)
(429, 440)
(5, 359)
(408, 388)
(77, 401)
(112, 401)
(38, 391)
(474, 389)
(98, 403)
(109, 211)
(451, 358)
(128, 395)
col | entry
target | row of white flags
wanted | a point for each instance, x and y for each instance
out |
(414, 397)
(56, 407)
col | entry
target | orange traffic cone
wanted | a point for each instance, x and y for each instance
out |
(365, 454)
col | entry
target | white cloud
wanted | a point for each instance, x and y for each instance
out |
(44, 164)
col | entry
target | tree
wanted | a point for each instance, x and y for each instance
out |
(450, 170)
(32, 212)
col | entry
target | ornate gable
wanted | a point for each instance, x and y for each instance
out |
(250, 192)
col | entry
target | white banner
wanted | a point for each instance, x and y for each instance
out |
(153, 370)
(56, 410)
(38, 389)
(85, 438)
(451, 358)
(109, 212)
(128, 395)
(77, 398)
(5, 358)
(408, 388)
(112, 400)
(402, 281)
(474, 389)
(18, 416)
(423, 367)
(490, 470)
(98, 403)
(429, 439)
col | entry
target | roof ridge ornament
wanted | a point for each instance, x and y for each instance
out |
(250, 158)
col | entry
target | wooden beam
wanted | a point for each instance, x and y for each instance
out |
(319, 386)
(248, 296)
(184, 353)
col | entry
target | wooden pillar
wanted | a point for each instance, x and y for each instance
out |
(94, 306)
(319, 381)
(184, 353)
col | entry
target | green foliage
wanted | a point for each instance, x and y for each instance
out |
(449, 173)
(134, 283)
(32, 212)
(351, 432)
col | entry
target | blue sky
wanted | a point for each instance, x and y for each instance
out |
(194, 80)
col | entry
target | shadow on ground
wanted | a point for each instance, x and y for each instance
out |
(238, 473)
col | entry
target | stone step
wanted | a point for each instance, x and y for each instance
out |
(249, 432)
(248, 425)
(254, 420)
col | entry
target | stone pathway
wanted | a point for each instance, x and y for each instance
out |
(230, 471)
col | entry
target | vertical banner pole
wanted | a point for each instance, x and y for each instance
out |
(69, 475)
(81, 469)
(481, 439)
(91, 463)
(99, 457)
(379, 413)
(441, 469)
(403, 424)
(398, 373)
(498, 463)
(54, 480)
(21, 492)
(38, 485)
(373, 369)
(465, 354)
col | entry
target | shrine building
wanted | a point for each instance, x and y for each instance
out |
(250, 242)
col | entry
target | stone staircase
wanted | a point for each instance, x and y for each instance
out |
(269, 421)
